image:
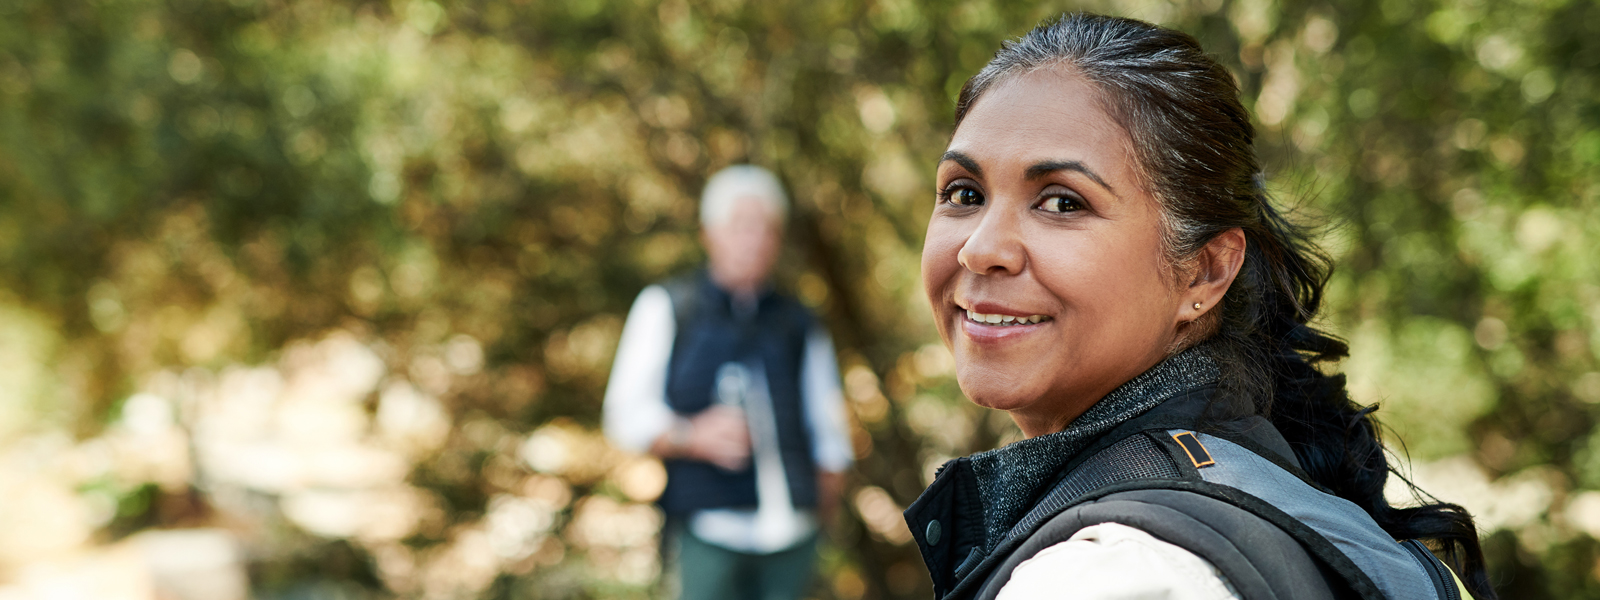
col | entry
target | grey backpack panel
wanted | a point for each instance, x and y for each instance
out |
(1393, 569)
(1258, 559)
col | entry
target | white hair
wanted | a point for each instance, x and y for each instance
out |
(737, 182)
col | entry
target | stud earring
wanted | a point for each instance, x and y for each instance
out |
(1197, 306)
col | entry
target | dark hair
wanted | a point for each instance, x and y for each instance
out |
(1193, 142)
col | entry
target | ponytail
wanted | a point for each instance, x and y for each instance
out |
(1335, 440)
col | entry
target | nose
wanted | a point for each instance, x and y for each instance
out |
(995, 247)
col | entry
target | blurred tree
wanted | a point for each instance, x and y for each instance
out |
(441, 213)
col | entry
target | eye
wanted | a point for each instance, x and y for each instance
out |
(962, 196)
(1061, 204)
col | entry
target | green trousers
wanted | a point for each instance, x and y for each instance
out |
(709, 572)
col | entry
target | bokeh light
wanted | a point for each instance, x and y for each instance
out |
(318, 299)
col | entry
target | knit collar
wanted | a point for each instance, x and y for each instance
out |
(1011, 478)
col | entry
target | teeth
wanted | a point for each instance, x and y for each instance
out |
(1004, 320)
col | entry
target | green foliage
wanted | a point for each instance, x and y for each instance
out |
(474, 191)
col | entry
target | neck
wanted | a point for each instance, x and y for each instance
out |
(1051, 417)
(742, 289)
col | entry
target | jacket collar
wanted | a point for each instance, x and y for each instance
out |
(723, 301)
(974, 501)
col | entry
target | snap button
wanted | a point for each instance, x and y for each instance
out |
(933, 532)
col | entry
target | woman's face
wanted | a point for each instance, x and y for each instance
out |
(1043, 259)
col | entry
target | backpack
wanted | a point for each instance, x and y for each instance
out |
(1232, 495)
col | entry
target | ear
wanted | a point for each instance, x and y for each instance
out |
(1212, 272)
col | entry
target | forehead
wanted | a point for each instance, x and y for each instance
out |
(753, 206)
(1046, 114)
(746, 212)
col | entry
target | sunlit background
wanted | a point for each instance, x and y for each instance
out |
(316, 299)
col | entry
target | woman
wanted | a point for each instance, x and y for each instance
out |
(1105, 266)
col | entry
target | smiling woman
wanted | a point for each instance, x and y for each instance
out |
(1031, 225)
(1105, 267)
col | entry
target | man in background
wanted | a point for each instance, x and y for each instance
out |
(736, 388)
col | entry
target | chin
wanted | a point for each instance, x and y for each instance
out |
(990, 389)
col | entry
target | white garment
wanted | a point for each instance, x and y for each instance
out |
(1112, 561)
(636, 414)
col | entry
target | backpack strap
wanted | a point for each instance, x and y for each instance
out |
(1227, 504)
(1450, 587)
(1350, 531)
(1131, 459)
(1258, 560)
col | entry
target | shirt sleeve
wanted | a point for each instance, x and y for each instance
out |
(636, 411)
(1112, 561)
(824, 404)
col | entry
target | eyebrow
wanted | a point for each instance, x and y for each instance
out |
(965, 161)
(1042, 169)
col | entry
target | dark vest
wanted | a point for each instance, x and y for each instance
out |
(710, 334)
(1231, 493)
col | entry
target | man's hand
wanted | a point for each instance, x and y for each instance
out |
(718, 435)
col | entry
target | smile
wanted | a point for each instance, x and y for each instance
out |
(1004, 320)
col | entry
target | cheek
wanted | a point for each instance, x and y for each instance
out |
(751, 247)
(939, 272)
(1106, 275)
(939, 262)
(769, 247)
